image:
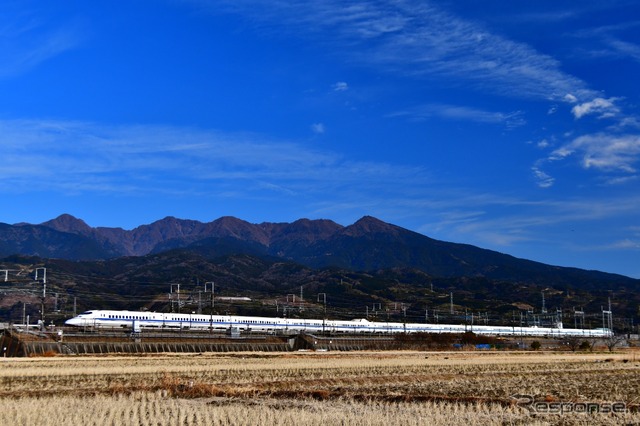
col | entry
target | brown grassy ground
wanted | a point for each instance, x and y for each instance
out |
(368, 388)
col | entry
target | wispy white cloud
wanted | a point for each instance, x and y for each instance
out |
(419, 39)
(542, 179)
(628, 122)
(510, 222)
(26, 42)
(603, 108)
(611, 42)
(603, 152)
(64, 156)
(463, 113)
(544, 143)
(422, 40)
(340, 86)
(624, 48)
(623, 244)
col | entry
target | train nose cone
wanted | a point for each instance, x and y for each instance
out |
(73, 321)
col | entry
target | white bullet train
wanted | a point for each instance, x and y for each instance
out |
(136, 321)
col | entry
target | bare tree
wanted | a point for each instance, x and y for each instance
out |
(613, 341)
(573, 342)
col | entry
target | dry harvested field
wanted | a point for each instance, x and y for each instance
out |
(355, 388)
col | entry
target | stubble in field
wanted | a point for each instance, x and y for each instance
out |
(315, 389)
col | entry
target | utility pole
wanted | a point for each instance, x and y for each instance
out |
(578, 314)
(451, 302)
(44, 291)
(609, 318)
(404, 316)
(44, 298)
(301, 300)
(324, 316)
(213, 289)
(466, 319)
(172, 297)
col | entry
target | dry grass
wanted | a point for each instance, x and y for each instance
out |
(314, 388)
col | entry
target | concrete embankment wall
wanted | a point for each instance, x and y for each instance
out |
(44, 348)
(42, 344)
(20, 344)
(312, 342)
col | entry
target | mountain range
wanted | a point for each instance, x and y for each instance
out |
(367, 245)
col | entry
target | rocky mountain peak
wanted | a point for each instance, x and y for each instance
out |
(369, 225)
(67, 223)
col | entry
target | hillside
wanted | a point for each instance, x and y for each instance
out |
(175, 280)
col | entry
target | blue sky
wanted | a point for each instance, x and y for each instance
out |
(513, 126)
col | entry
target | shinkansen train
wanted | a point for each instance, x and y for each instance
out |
(137, 321)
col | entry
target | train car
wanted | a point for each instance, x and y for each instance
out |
(136, 320)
